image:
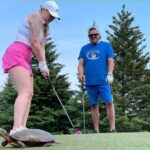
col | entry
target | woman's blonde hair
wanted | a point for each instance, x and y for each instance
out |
(46, 29)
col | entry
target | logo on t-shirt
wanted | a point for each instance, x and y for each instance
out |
(93, 54)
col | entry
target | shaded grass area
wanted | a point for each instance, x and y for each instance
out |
(103, 141)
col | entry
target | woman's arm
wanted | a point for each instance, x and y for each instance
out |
(37, 48)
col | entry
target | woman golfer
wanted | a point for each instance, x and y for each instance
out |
(16, 60)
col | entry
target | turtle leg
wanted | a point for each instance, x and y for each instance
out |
(4, 143)
(20, 144)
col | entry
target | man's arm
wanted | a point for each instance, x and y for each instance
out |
(109, 77)
(110, 65)
(81, 70)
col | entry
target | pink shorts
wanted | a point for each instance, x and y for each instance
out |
(17, 54)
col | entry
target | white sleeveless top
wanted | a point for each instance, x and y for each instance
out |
(24, 33)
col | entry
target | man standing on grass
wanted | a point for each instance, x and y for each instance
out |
(96, 64)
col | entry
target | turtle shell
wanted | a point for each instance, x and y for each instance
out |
(33, 135)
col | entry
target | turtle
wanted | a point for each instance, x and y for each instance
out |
(27, 138)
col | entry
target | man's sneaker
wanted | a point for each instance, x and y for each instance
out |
(96, 131)
(112, 131)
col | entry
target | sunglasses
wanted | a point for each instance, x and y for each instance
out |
(91, 35)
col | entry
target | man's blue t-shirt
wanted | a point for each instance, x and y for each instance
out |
(95, 58)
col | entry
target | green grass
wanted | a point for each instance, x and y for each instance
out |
(103, 141)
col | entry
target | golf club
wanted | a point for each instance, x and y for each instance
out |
(61, 103)
(83, 107)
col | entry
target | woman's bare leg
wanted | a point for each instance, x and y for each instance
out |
(23, 83)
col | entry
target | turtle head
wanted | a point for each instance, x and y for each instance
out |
(3, 132)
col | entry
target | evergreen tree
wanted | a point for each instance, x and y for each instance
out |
(46, 111)
(132, 75)
(7, 99)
